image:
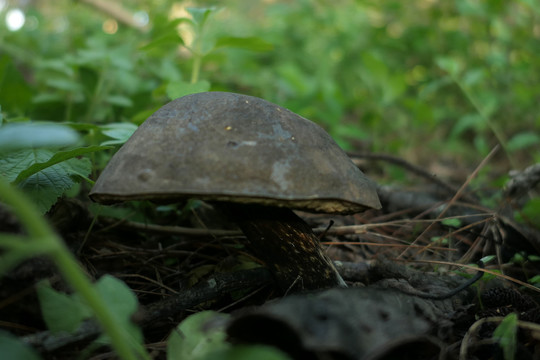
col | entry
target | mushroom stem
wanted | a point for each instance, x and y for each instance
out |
(287, 245)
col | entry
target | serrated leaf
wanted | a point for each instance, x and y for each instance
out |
(57, 158)
(61, 312)
(182, 88)
(197, 336)
(249, 43)
(45, 186)
(15, 136)
(48, 185)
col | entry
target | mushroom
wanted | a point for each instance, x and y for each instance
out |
(255, 161)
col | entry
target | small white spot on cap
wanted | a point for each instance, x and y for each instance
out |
(145, 175)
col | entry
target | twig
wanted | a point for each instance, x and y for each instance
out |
(494, 273)
(457, 195)
(213, 288)
(117, 11)
(463, 353)
(408, 166)
(335, 230)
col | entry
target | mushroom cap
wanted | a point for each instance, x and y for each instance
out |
(219, 146)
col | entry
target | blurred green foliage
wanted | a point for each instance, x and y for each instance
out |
(427, 80)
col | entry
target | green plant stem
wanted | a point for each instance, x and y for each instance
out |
(196, 68)
(42, 236)
(197, 59)
(96, 96)
(197, 53)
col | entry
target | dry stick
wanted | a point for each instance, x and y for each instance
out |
(336, 230)
(382, 245)
(476, 243)
(216, 287)
(499, 275)
(454, 198)
(180, 230)
(447, 295)
(411, 167)
(477, 326)
(116, 11)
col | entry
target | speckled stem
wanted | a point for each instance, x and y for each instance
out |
(287, 245)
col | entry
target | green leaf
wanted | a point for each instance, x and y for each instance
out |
(120, 132)
(15, 136)
(197, 336)
(535, 280)
(122, 302)
(200, 15)
(50, 98)
(119, 100)
(392, 88)
(487, 259)
(455, 223)
(252, 43)
(474, 77)
(506, 336)
(61, 312)
(13, 348)
(448, 64)
(467, 122)
(81, 126)
(182, 88)
(64, 84)
(15, 93)
(522, 140)
(164, 41)
(374, 70)
(56, 65)
(118, 296)
(46, 185)
(530, 212)
(57, 158)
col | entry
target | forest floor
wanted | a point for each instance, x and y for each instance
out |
(401, 264)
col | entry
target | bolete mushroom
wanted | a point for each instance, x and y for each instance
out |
(256, 161)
